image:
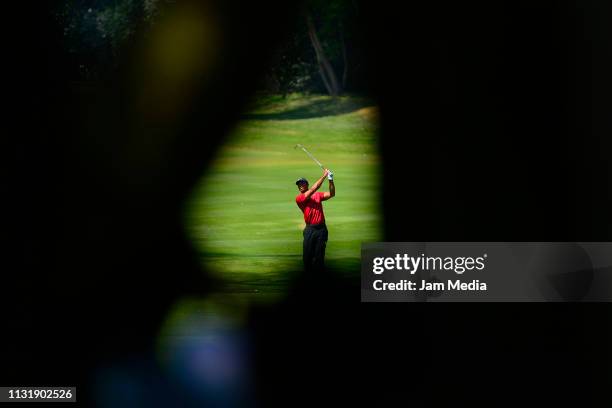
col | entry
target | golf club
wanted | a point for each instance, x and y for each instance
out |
(309, 155)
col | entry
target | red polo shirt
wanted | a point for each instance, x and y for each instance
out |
(311, 207)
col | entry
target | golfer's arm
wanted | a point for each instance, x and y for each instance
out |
(332, 191)
(314, 187)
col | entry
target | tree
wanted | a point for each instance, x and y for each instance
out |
(317, 57)
(329, 24)
(95, 31)
(328, 76)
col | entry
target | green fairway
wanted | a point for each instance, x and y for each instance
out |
(243, 217)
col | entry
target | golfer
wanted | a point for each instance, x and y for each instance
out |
(315, 234)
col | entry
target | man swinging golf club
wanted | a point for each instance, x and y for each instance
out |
(315, 234)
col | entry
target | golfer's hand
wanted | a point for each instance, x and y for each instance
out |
(330, 175)
(325, 172)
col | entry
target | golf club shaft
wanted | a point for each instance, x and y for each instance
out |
(312, 157)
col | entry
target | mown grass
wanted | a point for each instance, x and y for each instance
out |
(243, 217)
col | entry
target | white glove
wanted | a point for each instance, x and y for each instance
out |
(330, 176)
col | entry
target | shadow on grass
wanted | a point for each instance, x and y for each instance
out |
(282, 279)
(346, 267)
(314, 109)
(212, 254)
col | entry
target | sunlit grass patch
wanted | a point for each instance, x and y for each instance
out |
(243, 217)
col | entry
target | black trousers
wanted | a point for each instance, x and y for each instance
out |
(315, 240)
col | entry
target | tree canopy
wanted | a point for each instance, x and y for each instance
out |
(319, 56)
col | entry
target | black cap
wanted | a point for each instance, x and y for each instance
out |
(301, 180)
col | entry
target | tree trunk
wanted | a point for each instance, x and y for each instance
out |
(344, 58)
(325, 68)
